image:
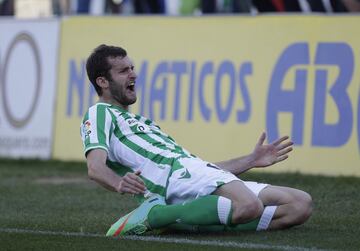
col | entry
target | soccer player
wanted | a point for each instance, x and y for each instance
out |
(129, 153)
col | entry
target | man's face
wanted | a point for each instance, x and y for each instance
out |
(122, 84)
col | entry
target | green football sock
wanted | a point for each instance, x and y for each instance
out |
(208, 210)
(252, 225)
(259, 224)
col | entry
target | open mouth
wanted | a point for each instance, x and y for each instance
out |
(131, 86)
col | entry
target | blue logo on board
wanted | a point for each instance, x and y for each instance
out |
(296, 58)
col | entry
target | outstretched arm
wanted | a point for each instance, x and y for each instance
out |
(102, 174)
(262, 156)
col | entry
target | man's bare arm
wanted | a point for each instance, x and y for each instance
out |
(262, 156)
(102, 174)
(237, 165)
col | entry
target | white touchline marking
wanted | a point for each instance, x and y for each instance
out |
(166, 240)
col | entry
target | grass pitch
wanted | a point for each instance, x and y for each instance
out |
(51, 205)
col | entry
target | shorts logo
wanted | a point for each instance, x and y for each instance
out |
(185, 175)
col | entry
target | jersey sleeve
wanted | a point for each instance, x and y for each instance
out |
(96, 128)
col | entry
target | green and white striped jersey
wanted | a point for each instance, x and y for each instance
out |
(133, 143)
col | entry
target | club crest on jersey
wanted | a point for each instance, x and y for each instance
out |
(87, 128)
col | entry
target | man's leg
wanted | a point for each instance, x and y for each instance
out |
(245, 205)
(155, 214)
(232, 203)
(294, 206)
(291, 206)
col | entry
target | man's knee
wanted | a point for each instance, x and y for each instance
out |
(245, 205)
(299, 210)
(246, 211)
(302, 208)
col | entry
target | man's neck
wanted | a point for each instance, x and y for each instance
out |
(113, 102)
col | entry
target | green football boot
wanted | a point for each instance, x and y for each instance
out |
(135, 222)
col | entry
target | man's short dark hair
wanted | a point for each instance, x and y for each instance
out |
(97, 64)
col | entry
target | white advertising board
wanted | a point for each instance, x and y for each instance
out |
(28, 75)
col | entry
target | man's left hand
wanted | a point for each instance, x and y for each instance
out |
(266, 155)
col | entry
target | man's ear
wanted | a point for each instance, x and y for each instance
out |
(102, 82)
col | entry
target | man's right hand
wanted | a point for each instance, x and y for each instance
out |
(131, 183)
(98, 171)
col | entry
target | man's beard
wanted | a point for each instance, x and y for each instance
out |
(119, 95)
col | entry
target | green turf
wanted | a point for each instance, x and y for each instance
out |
(57, 196)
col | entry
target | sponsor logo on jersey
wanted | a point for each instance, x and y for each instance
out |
(131, 121)
(140, 127)
(143, 128)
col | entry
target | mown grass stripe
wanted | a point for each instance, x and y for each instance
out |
(166, 240)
